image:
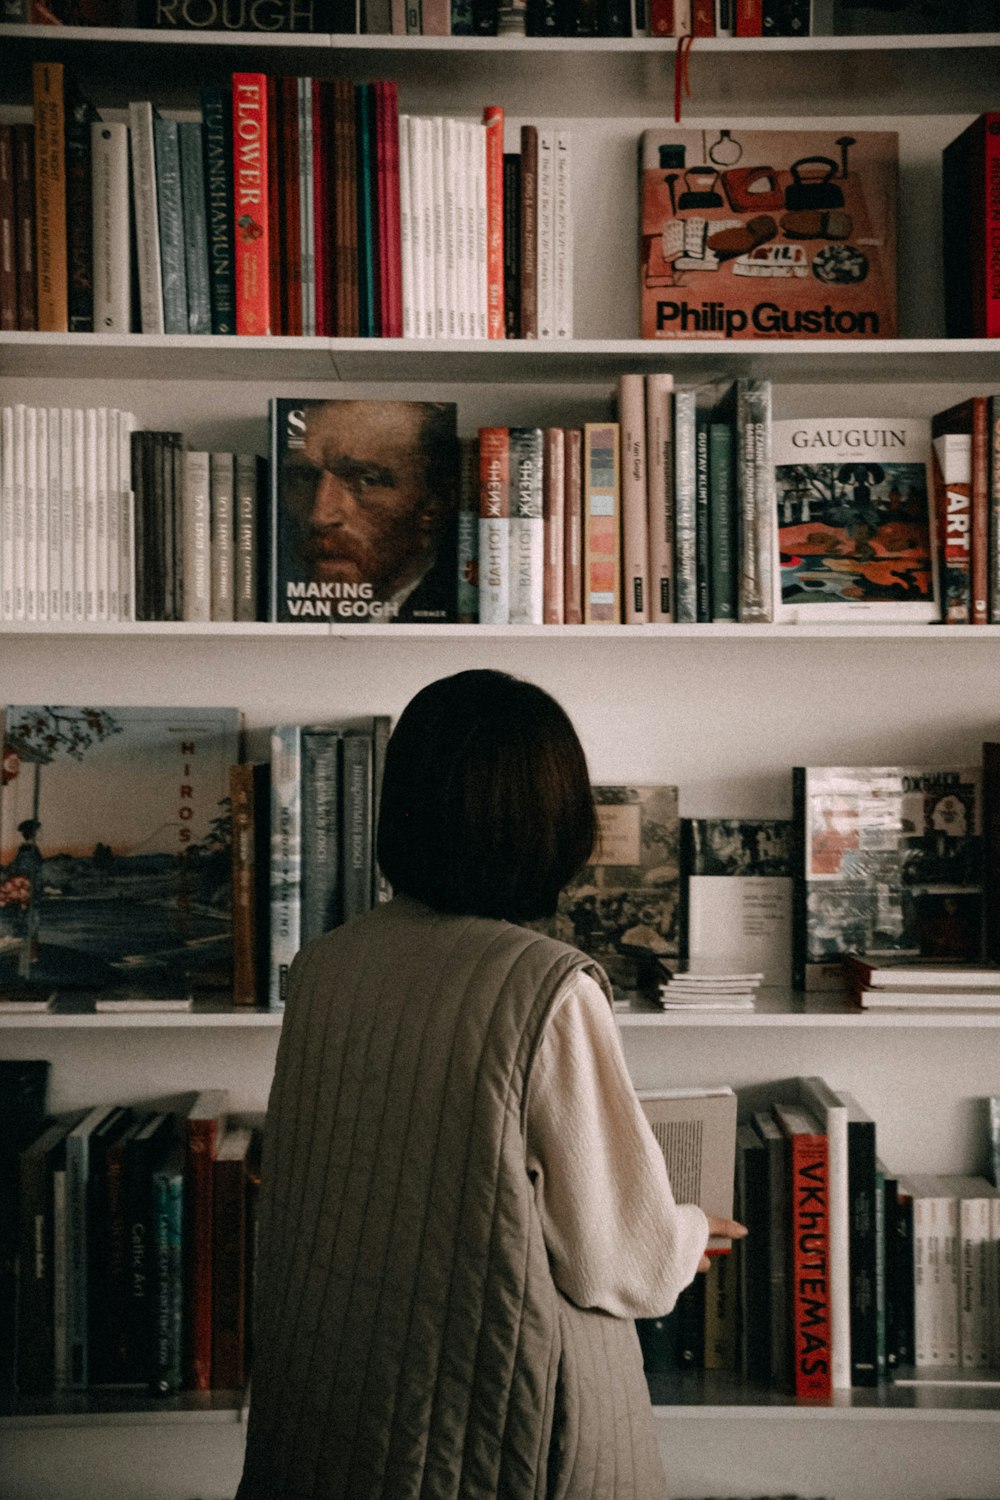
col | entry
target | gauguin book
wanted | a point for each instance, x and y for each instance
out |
(854, 520)
(115, 862)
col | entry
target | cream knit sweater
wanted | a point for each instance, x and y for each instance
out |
(616, 1238)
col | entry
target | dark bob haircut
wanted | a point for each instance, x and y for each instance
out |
(486, 805)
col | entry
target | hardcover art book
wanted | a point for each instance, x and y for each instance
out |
(768, 233)
(888, 862)
(115, 858)
(854, 519)
(363, 510)
(622, 908)
(737, 895)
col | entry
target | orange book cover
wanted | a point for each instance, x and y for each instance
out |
(50, 197)
(751, 234)
(493, 120)
(601, 524)
(250, 191)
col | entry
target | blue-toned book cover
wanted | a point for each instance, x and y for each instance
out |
(115, 861)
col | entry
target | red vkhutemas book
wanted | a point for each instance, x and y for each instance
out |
(768, 234)
(808, 1197)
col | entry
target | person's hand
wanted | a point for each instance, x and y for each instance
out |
(729, 1229)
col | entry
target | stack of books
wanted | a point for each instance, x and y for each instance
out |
(700, 989)
(921, 984)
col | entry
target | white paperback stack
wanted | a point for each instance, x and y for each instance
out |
(699, 988)
(921, 984)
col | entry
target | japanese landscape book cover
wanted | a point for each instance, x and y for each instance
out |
(115, 847)
(749, 234)
(854, 520)
(363, 510)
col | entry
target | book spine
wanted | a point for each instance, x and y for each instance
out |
(660, 471)
(126, 519)
(367, 226)
(217, 173)
(229, 1275)
(527, 526)
(172, 228)
(35, 1371)
(423, 246)
(55, 513)
(977, 1283)
(602, 524)
(720, 1313)
(60, 1279)
(834, 1115)
(321, 762)
(307, 207)
(278, 218)
(685, 507)
(480, 231)
(50, 197)
(357, 843)
(197, 547)
(77, 1161)
(290, 205)
(864, 1213)
(241, 804)
(450, 185)
(493, 120)
(529, 232)
(110, 232)
(29, 505)
(703, 18)
(779, 1341)
(168, 1286)
(810, 1252)
(635, 529)
(721, 521)
(562, 230)
(103, 439)
(993, 506)
(494, 526)
(246, 559)
(24, 200)
(573, 527)
(151, 312)
(392, 243)
(90, 526)
(935, 1281)
(754, 492)
(196, 261)
(345, 201)
(546, 235)
(286, 848)
(250, 186)
(8, 230)
(750, 1207)
(222, 534)
(200, 1147)
(7, 424)
(407, 234)
(79, 214)
(512, 244)
(979, 499)
(703, 538)
(467, 597)
(986, 292)
(554, 514)
(952, 480)
(439, 226)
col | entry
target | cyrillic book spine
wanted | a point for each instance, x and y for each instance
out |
(494, 526)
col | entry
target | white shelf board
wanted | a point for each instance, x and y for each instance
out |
(866, 631)
(203, 1016)
(126, 1407)
(788, 1008)
(716, 1394)
(176, 357)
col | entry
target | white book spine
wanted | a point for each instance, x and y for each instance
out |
(126, 518)
(935, 1281)
(140, 118)
(463, 193)
(20, 517)
(481, 300)
(563, 237)
(406, 231)
(30, 513)
(527, 531)
(113, 544)
(976, 1285)
(67, 518)
(420, 190)
(635, 529)
(546, 234)
(79, 515)
(7, 513)
(55, 514)
(450, 170)
(112, 247)
(197, 555)
(101, 516)
(90, 541)
(42, 512)
(439, 228)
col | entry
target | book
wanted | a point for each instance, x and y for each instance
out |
(794, 237)
(944, 999)
(250, 809)
(635, 521)
(686, 528)
(493, 120)
(102, 1119)
(779, 1281)
(222, 501)
(806, 1157)
(286, 857)
(24, 1089)
(196, 529)
(891, 974)
(529, 232)
(217, 172)
(141, 118)
(390, 556)
(866, 1246)
(168, 1209)
(127, 878)
(8, 230)
(249, 490)
(494, 526)
(832, 1114)
(357, 842)
(554, 525)
(755, 520)
(696, 1131)
(24, 225)
(467, 539)
(35, 1352)
(888, 861)
(79, 112)
(573, 527)
(170, 218)
(601, 523)
(969, 234)
(251, 264)
(961, 472)
(194, 216)
(622, 908)
(230, 1280)
(203, 1125)
(854, 523)
(991, 846)
(110, 230)
(106, 1249)
(51, 270)
(935, 1270)
(144, 1151)
(322, 829)
(527, 526)
(660, 486)
(751, 1206)
(736, 883)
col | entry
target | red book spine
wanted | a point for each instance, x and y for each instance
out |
(661, 17)
(252, 264)
(392, 250)
(290, 205)
(321, 105)
(201, 1140)
(276, 270)
(493, 120)
(8, 231)
(980, 506)
(703, 18)
(810, 1266)
(573, 527)
(749, 17)
(986, 221)
(24, 198)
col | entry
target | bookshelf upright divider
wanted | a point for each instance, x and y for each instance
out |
(722, 712)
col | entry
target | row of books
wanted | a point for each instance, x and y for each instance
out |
(769, 18)
(292, 205)
(850, 1273)
(132, 1236)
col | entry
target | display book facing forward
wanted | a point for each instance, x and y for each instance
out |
(767, 233)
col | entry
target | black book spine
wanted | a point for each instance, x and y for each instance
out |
(218, 149)
(863, 1251)
(512, 244)
(79, 213)
(614, 18)
(542, 18)
(23, 1094)
(484, 17)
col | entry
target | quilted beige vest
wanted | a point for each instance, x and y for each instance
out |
(409, 1340)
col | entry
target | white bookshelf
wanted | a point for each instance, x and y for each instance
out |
(720, 711)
